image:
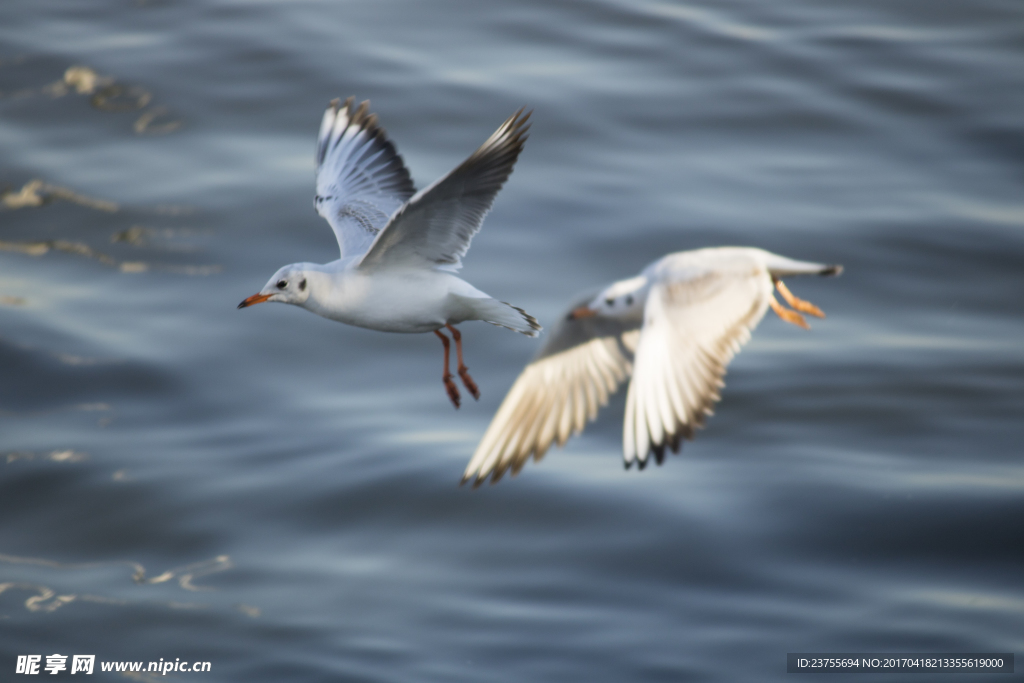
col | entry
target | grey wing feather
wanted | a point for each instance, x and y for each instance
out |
(360, 179)
(436, 226)
(692, 329)
(582, 363)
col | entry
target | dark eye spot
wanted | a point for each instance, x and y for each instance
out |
(281, 284)
(610, 302)
(302, 285)
(629, 299)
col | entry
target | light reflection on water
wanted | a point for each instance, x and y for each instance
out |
(858, 488)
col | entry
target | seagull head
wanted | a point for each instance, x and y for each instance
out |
(290, 285)
(624, 299)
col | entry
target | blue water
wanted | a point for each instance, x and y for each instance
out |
(277, 494)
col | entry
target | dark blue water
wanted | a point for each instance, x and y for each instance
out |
(277, 494)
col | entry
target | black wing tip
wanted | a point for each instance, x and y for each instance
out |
(474, 480)
(501, 150)
(513, 468)
(831, 270)
(517, 126)
(675, 443)
(362, 118)
(672, 442)
(519, 119)
(535, 326)
(510, 135)
(478, 481)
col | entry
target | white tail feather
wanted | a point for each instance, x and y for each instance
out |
(506, 315)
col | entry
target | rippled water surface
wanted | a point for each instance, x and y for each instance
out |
(277, 494)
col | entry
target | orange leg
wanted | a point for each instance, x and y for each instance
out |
(786, 314)
(798, 304)
(449, 385)
(463, 370)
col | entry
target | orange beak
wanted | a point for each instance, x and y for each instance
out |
(582, 312)
(254, 299)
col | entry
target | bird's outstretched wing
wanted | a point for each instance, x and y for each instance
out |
(693, 326)
(435, 227)
(360, 178)
(583, 362)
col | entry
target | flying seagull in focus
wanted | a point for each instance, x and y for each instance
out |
(400, 249)
(673, 328)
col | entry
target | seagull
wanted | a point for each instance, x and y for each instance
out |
(674, 328)
(400, 249)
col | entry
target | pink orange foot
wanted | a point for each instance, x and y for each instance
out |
(463, 370)
(446, 376)
(788, 315)
(453, 391)
(798, 304)
(468, 382)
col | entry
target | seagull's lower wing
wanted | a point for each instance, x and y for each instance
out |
(582, 363)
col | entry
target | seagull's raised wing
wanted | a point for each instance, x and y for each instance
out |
(693, 326)
(582, 363)
(360, 178)
(436, 226)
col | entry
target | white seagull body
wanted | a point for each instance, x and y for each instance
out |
(400, 249)
(674, 328)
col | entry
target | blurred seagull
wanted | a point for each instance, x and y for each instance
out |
(674, 327)
(400, 249)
